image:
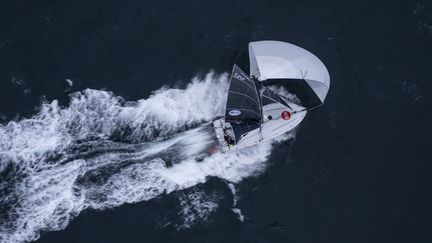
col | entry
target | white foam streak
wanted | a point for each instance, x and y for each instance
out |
(196, 206)
(63, 160)
(168, 109)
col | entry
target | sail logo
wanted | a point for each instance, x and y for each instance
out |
(239, 77)
(234, 112)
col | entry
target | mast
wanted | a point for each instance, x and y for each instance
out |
(261, 108)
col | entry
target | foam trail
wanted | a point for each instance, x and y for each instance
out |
(236, 210)
(101, 152)
(196, 206)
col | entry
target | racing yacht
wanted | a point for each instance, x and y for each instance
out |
(254, 111)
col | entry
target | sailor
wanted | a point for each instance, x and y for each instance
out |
(228, 138)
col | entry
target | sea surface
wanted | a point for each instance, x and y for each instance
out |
(96, 95)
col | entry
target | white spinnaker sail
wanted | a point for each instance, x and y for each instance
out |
(281, 60)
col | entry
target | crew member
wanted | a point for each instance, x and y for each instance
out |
(228, 138)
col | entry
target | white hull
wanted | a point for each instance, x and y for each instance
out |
(269, 129)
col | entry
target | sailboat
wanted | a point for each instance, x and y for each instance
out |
(254, 112)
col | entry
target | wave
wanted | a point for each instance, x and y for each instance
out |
(101, 152)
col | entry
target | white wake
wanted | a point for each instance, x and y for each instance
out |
(101, 152)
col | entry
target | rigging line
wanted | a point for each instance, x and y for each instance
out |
(279, 96)
(288, 100)
(307, 109)
(260, 102)
(304, 109)
(265, 96)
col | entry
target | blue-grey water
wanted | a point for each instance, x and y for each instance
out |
(95, 95)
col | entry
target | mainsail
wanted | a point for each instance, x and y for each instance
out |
(243, 104)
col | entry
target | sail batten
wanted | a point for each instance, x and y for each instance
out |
(245, 95)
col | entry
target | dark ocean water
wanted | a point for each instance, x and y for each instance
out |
(358, 169)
